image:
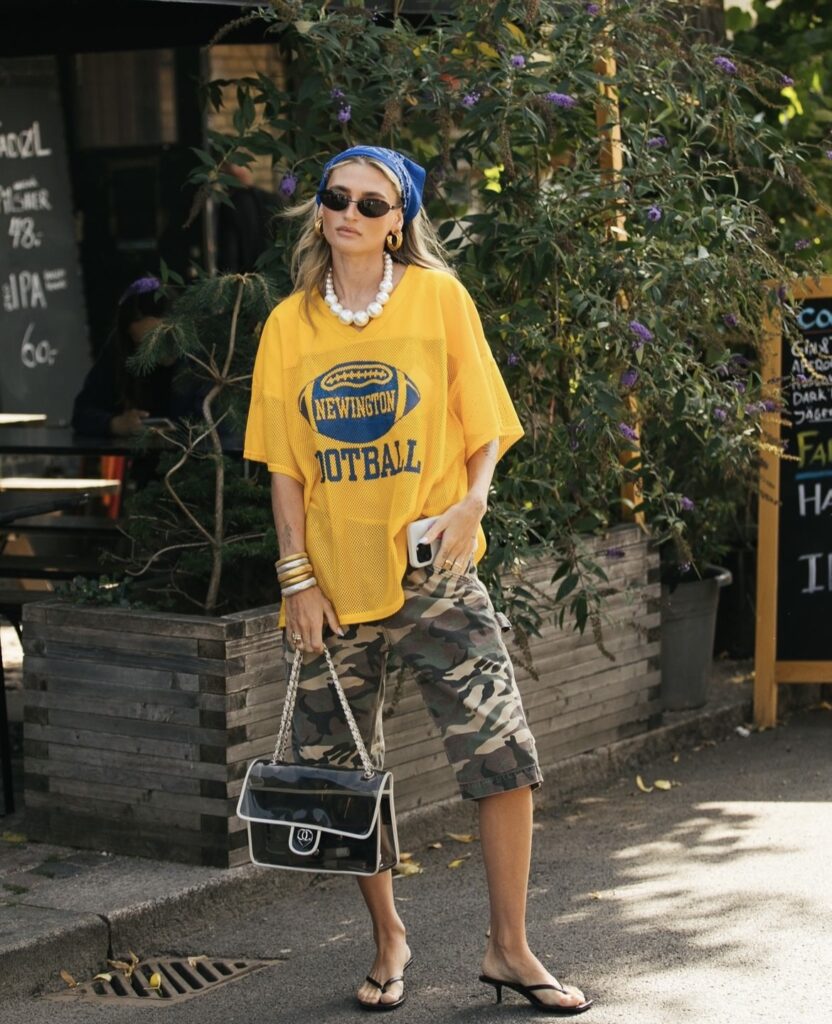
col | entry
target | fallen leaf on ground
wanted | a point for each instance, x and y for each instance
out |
(104, 976)
(13, 837)
(676, 758)
(457, 862)
(410, 867)
(662, 784)
(824, 705)
(462, 838)
(405, 857)
(123, 966)
(69, 979)
(155, 980)
(595, 895)
(641, 786)
(434, 846)
(192, 960)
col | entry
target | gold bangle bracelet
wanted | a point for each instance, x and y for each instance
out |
(305, 567)
(299, 563)
(296, 576)
(289, 558)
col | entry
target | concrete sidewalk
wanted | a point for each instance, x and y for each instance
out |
(707, 902)
(71, 909)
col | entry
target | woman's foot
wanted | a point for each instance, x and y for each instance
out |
(526, 969)
(391, 958)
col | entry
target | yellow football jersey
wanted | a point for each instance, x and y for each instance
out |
(377, 424)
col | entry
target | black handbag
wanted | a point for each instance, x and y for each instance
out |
(307, 817)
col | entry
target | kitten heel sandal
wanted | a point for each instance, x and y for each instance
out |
(528, 991)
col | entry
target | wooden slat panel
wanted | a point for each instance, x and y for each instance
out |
(103, 773)
(147, 727)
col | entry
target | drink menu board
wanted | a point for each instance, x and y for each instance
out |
(794, 550)
(804, 583)
(43, 334)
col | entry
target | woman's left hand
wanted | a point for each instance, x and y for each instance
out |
(457, 528)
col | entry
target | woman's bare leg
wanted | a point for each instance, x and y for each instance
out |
(392, 951)
(506, 837)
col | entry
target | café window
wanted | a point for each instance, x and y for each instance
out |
(125, 99)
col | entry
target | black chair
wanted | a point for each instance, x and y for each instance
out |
(12, 609)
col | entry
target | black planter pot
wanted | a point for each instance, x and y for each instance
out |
(688, 615)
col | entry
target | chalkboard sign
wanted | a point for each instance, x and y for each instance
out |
(794, 579)
(43, 334)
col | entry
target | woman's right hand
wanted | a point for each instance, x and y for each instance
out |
(129, 422)
(306, 613)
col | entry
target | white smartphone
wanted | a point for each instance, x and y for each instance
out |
(419, 553)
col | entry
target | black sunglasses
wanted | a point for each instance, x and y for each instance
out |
(367, 207)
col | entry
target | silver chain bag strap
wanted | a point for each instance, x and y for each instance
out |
(319, 817)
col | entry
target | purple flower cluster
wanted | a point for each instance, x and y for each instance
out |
(641, 333)
(754, 407)
(518, 61)
(725, 65)
(687, 504)
(593, 9)
(615, 553)
(654, 213)
(560, 99)
(627, 431)
(344, 109)
(288, 184)
(739, 385)
(786, 80)
(470, 99)
(656, 142)
(629, 378)
(829, 154)
(720, 415)
(513, 359)
(802, 243)
(730, 319)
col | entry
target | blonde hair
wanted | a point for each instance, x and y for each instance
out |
(311, 256)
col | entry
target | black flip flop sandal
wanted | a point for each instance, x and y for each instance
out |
(380, 1007)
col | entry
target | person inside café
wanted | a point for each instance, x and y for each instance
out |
(113, 402)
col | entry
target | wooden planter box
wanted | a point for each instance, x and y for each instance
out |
(139, 726)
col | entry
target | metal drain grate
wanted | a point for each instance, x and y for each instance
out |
(180, 980)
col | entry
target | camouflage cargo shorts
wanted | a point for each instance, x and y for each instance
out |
(446, 636)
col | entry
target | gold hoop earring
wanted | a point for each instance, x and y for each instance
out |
(319, 226)
(394, 241)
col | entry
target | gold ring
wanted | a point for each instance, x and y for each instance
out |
(297, 638)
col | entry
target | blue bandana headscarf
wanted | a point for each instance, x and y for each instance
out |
(410, 175)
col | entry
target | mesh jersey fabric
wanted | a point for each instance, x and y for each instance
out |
(377, 425)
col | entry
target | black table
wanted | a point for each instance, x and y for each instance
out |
(64, 441)
(14, 512)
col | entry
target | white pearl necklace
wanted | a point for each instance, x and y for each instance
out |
(362, 316)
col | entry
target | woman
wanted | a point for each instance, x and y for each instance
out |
(114, 402)
(375, 405)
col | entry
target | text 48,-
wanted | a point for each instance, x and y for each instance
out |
(22, 233)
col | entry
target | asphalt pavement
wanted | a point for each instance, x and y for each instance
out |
(708, 901)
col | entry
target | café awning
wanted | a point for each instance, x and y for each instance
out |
(41, 27)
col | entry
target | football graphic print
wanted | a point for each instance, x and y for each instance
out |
(357, 401)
